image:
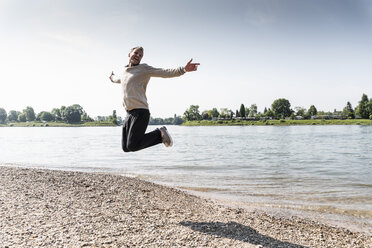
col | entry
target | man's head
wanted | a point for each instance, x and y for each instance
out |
(135, 55)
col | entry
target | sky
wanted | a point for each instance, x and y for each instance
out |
(313, 52)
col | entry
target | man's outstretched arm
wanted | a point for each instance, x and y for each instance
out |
(176, 72)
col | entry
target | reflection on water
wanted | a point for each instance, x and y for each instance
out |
(320, 167)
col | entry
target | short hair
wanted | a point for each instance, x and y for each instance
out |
(137, 47)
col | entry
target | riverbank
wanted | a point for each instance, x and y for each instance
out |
(277, 122)
(57, 208)
(58, 124)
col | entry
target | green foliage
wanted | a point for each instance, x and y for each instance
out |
(57, 114)
(281, 122)
(213, 113)
(63, 113)
(46, 116)
(30, 113)
(312, 111)
(3, 115)
(177, 120)
(113, 118)
(281, 108)
(242, 110)
(269, 113)
(13, 115)
(192, 113)
(348, 111)
(363, 109)
(73, 113)
(22, 117)
(253, 110)
(300, 111)
(205, 115)
(225, 113)
(85, 117)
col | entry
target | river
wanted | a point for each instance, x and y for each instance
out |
(325, 170)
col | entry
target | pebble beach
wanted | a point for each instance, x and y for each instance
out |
(50, 208)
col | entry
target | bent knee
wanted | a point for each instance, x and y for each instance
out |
(132, 147)
(125, 148)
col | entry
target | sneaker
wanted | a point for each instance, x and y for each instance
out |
(165, 136)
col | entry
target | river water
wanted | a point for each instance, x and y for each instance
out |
(326, 170)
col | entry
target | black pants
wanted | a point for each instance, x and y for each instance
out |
(134, 128)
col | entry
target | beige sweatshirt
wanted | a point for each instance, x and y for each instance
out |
(134, 82)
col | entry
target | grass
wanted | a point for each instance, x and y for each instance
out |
(277, 122)
(56, 124)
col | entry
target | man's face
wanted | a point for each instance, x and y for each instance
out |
(135, 56)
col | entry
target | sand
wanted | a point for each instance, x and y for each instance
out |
(48, 208)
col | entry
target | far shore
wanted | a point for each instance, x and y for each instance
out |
(58, 124)
(283, 122)
(49, 208)
(233, 122)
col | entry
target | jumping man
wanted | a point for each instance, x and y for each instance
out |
(134, 81)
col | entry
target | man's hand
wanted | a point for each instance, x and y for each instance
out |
(112, 74)
(191, 66)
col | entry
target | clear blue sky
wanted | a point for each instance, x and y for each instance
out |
(57, 53)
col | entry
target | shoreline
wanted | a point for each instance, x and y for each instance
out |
(42, 207)
(318, 122)
(351, 222)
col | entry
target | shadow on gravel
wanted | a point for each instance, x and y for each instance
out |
(233, 230)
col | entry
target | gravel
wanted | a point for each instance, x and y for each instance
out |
(48, 208)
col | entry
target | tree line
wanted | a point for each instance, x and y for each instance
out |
(70, 114)
(280, 109)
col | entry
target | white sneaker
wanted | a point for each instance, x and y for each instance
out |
(165, 136)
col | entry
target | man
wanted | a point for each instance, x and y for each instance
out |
(134, 82)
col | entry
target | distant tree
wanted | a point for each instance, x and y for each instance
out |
(231, 114)
(192, 113)
(177, 120)
(253, 110)
(242, 110)
(369, 107)
(205, 115)
(113, 118)
(224, 112)
(85, 117)
(269, 113)
(3, 115)
(30, 113)
(73, 113)
(57, 113)
(46, 116)
(237, 114)
(22, 117)
(363, 108)
(213, 113)
(348, 111)
(63, 113)
(247, 112)
(265, 110)
(13, 115)
(312, 111)
(300, 111)
(281, 108)
(101, 118)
